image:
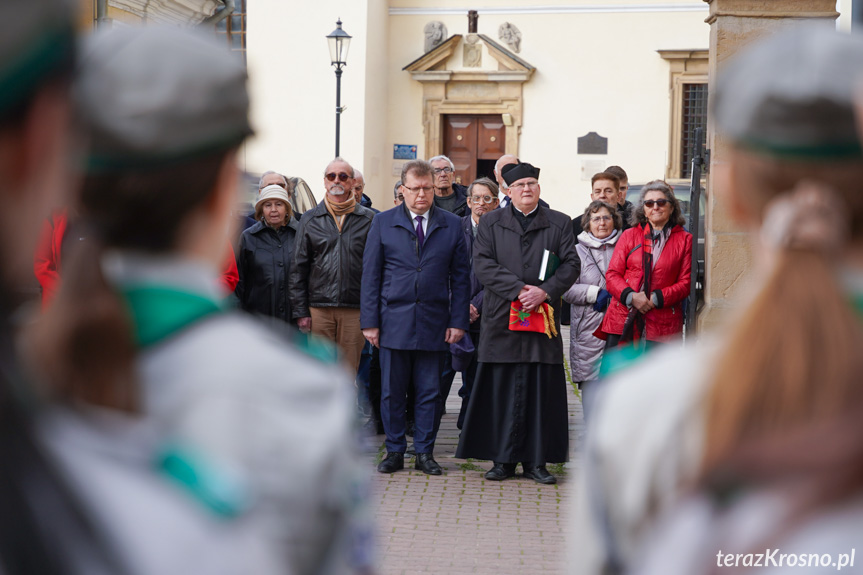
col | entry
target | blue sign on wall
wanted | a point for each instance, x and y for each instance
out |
(404, 152)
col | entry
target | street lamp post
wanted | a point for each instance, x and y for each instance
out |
(339, 42)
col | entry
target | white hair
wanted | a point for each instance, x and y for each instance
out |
(436, 158)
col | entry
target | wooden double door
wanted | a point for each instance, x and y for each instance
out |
(473, 143)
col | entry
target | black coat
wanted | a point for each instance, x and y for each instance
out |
(327, 267)
(263, 261)
(476, 291)
(460, 192)
(506, 258)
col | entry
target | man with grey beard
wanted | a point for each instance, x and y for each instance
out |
(327, 267)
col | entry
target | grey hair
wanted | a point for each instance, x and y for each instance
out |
(396, 189)
(487, 182)
(342, 160)
(267, 173)
(638, 217)
(436, 158)
(358, 174)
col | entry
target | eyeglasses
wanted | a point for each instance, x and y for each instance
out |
(418, 189)
(651, 203)
(443, 170)
(343, 177)
(483, 199)
(517, 187)
(597, 219)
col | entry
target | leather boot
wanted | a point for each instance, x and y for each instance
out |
(500, 471)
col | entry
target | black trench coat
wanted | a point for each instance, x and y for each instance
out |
(263, 262)
(505, 258)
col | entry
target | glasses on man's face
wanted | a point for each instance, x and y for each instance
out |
(482, 199)
(651, 203)
(446, 170)
(343, 177)
(418, 189)
(598, 219)
(518, 187)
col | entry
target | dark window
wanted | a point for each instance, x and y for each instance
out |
(233, 28)
(694, 116)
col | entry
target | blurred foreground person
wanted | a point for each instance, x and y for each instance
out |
(264, 256)
(82, 490)
(138, 324)
(589, 295)
(517, 410)
(762, 425)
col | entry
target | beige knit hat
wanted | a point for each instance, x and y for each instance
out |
(272, 192)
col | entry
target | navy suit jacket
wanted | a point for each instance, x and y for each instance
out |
(413, 295)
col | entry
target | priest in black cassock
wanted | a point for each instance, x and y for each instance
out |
(518, 411)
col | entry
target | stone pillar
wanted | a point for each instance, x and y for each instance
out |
(734, 24)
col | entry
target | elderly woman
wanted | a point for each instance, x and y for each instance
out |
(589, 295)
(649, 273)
(264, 256)
(750, 441)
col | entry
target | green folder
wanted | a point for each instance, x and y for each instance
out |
(550, 263)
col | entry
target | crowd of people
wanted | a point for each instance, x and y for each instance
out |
(183, 384)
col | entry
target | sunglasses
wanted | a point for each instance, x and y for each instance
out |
(343, 177)
(651, 203)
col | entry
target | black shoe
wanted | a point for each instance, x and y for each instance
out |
(500, 471)
(392, 463)
(540, 474)
(425, 462)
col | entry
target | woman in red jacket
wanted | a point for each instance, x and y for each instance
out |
(651, 303)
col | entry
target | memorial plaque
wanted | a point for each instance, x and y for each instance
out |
(404, 152)
(592, 143)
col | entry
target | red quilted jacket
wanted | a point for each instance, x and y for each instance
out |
(670, 275)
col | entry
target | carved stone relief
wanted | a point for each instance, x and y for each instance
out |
(510, 35)
(435, 34)
(472, 52)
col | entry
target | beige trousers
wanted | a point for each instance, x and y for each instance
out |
(342, 326)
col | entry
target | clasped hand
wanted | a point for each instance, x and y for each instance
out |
(531, 297)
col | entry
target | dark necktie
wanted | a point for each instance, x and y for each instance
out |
(420, 235)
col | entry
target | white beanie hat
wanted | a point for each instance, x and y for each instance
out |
(273, 192)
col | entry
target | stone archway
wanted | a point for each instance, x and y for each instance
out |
(469, 91)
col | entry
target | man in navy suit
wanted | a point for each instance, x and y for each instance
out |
(415, 302)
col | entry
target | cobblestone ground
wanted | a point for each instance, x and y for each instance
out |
(461, 523)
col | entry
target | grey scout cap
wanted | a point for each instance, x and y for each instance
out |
(154, 95)
(36, 42)
(792, 94)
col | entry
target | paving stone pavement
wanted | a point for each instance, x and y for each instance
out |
(460, 523)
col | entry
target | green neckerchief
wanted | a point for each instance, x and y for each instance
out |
(159, 311)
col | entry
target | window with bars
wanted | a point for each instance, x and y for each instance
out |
(694, 110)
(233, 28)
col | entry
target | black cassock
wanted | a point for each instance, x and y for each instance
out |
(518, 409)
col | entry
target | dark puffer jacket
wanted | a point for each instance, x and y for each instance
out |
(327, 267)
(460, 208)
(263, 261)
